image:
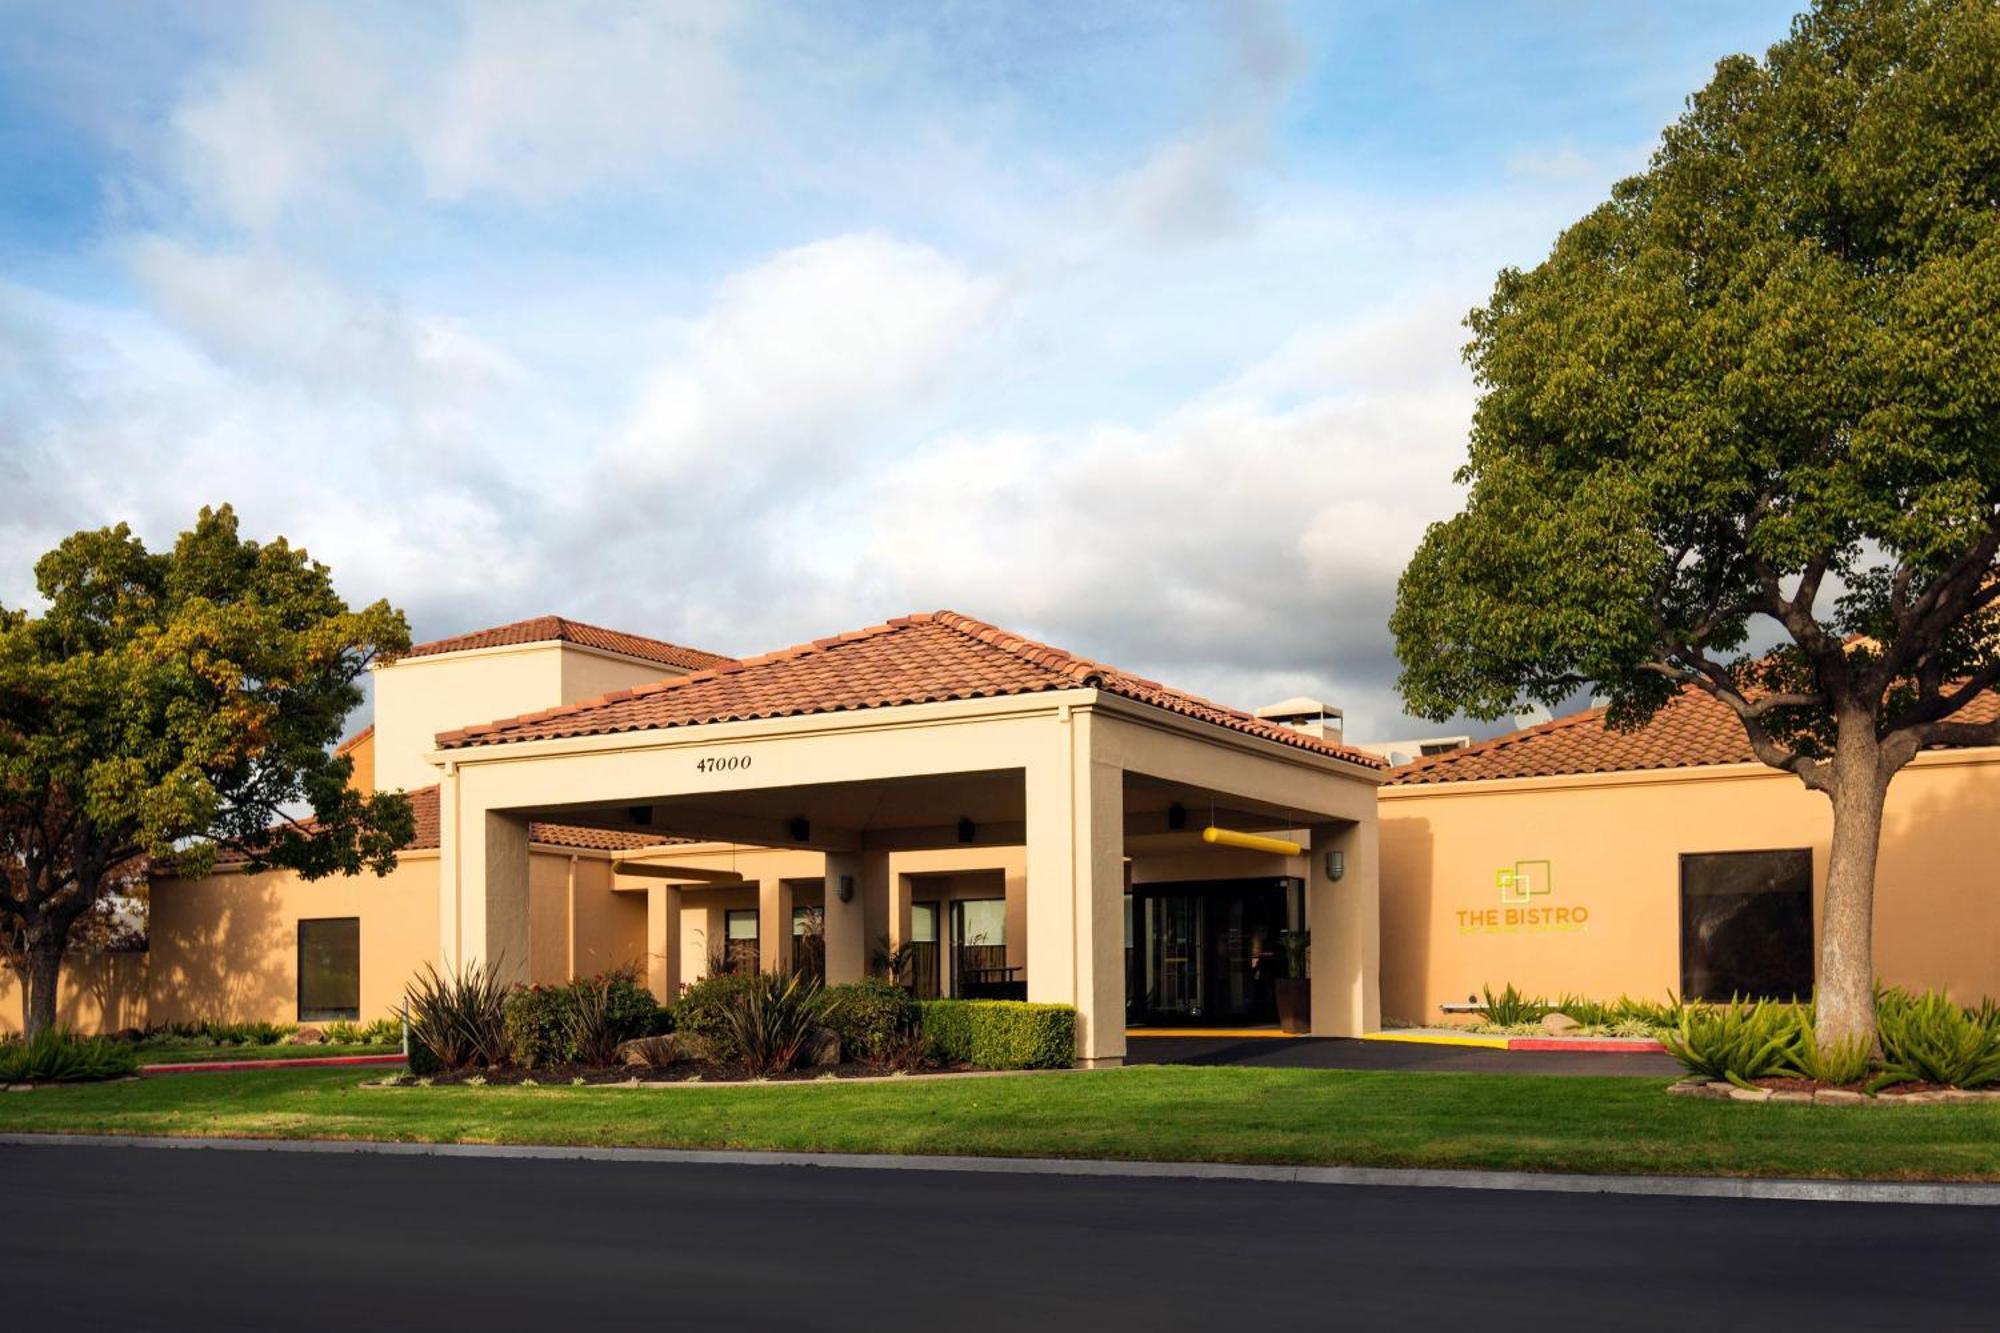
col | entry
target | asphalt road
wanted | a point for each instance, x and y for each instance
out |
(131, 1238)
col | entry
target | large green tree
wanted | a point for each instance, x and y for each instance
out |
(1754, 399)
(164, 704)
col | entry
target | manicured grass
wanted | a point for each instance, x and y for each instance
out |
(178, 1055)
(1616, 1125)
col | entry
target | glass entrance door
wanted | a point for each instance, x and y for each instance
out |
(1207, 951)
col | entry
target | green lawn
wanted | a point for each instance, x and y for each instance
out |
(1622, 1125)
(176, 1054)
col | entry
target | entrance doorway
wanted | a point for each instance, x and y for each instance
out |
(1206, 951)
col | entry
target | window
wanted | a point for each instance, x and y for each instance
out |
(979, 950)
(1747, 925)
(740, 952)
(330, 969)
(924, 949)
(809, 941)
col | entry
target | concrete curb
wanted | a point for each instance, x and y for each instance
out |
(1956, 1194)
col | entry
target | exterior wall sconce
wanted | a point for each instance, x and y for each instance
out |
(1336, 865)
(846, 889)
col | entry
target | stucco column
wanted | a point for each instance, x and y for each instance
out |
(1346, 921)
(663, 941)
(1076, 877)
(846, 923)
(902, 892)
(483, 893)
(774, 924)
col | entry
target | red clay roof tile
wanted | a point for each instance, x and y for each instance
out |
(558, 629)
(1694, 730)
(916, 659)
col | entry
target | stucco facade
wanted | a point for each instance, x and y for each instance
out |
(1612, 845)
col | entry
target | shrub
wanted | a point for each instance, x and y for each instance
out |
(1932, 1040)
(873, 1017)
(548, 1025)
(58, 1056)
(1737, 1042)
(340, 1032)
(1000, 1034)
(1589, 1013)
(1648, 1013)
(769, 1022)
(1510, 1007)
(701, 1014)
(458, 1021)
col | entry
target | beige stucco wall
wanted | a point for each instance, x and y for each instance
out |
(99, 992)
(226, 947)
(418, 697)
(1614, 844)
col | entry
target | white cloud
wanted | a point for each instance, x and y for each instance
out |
(546, 100)
(795, 349)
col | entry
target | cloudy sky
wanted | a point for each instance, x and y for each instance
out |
(1133, 327)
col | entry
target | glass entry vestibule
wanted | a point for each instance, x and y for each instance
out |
(1207, 951)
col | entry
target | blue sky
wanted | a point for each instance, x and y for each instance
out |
(1130, 326)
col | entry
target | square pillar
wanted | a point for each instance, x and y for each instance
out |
(663, 941)
(847, 923)
(774, 924)
(1345, 917)
(1075, 890)
(483, 890)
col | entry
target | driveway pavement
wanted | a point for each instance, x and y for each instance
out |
(132, 1238)
(1341, 1053)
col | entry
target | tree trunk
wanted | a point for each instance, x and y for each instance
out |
(41, 973)
(1846, 996)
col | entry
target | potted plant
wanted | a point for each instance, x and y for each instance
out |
(1294, 988)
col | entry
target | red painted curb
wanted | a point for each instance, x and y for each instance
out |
(1599, 1045)
(237, 1066)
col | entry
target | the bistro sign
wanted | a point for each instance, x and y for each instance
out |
(1525, 889)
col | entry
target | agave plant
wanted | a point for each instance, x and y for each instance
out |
(460, 1020)
(1735, 1041)
(1836, 1064)
(55, 1055)
(768, 1022)
(1932, 1040)
(1509, 1007)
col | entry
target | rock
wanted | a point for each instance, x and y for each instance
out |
(1749, 1094)
(822, 1049)
(1919, 1098)
(1793, 1097)
(1962, 1095)
(306, 1037)
(1558, 1024)
(1840, 1097)
(20, 1087)
(651, 1052)
(1689, 1087)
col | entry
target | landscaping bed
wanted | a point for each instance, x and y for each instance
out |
(693, 1071)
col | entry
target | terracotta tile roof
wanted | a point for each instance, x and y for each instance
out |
(424, 807)
(1692, 731)
(558, 629)
(916, 659)
(355, 739)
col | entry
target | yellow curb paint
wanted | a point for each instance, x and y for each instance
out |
(1438, 1039)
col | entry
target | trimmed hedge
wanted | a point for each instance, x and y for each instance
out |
(1000, 1034)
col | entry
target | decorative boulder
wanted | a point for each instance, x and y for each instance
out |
(1558, 1024)
(307, 1037)
(822, 1049)
(651, 1052)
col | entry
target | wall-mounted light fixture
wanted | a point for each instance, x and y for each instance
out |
(847, 888)
(800, 828)
(1336, 865)
(967, 830)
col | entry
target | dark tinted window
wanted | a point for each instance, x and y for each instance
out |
(330, 969)
(1746, 925)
